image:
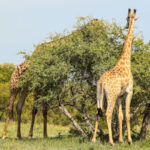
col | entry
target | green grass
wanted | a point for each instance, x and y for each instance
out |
(56, 142)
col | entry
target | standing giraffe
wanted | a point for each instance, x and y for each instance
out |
(15, 90)
(116, 83)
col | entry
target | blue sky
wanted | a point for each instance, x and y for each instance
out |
(25, 23)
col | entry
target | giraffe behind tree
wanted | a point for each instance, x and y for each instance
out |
(116, 83)
(14, 91)
(23, 92)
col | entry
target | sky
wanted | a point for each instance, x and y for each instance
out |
(26, 23)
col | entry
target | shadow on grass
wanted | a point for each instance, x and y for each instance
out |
(62, 137)
(103, 140)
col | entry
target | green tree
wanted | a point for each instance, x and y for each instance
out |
(5, 74)
(66, 73)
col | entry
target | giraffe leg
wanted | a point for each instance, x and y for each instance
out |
(109, 118)
(22, 96)
(100, 95)
(34, 112)
(111, 99)
(13, 95)
(95, 129)
(128, 101)
(45, 121)
(120, 118)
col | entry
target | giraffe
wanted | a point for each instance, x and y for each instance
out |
(115, 83)
(15, 90)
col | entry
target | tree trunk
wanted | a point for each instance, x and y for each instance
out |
(89, 125)
(86, 119)
(145, 123)
(74, 123)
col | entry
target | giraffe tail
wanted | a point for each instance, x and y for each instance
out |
(100, 96)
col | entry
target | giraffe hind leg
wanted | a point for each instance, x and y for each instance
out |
(99, 108)
(34, 112)
(13, 94)
(95, 129)
(111, 100)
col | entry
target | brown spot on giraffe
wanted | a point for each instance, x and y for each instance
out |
(117, 82)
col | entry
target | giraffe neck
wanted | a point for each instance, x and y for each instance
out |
(125, 58)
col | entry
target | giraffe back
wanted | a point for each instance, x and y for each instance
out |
(17, 74)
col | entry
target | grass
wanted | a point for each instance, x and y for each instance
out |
(59, 139)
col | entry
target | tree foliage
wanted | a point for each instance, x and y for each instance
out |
(66, 73)
(5, 74)
(68, 70)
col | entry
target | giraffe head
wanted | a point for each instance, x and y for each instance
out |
(131, 17)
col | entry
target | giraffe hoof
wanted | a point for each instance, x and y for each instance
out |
(4, 137)
(30, 136)
(19, 137)
(121, 141)
(93, 140)
(111, 143)
(45, 136)
(130, 142)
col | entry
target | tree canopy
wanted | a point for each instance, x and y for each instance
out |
(67, 71)
(5, 74)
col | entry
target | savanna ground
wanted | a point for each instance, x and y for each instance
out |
(59, 139)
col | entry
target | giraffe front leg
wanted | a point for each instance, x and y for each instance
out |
(128, 101)
(34, 112)
(19, 111)
(109, 118)
(22, 96)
